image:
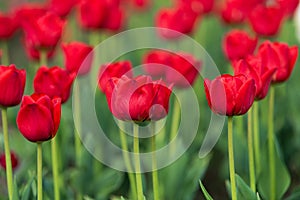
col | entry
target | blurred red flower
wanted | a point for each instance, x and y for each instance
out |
(77, 58)
(12, 84)
(61, 8)
(112, 70)
(54, 82)
(198, 6)
(39, 117)
(139, 99)
(156, 61)
(230, 95)
(280, 56)
(14, 160)
(238, 44)
(8, 25)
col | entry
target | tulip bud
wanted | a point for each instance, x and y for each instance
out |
(14, 160)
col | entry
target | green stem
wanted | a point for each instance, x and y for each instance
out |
(127, 163)
(251, 152)
(9, 173)
(43, 58)
(5, 54)
(175, 123)
(136, 151)
(77, 141)
(256, 136)
(271, 146)
(239, 126)
(56, 182)
(154, 166)
(231, 160)
(39, 172)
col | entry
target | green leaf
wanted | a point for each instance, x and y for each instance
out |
(295, 194)
(257, 196)
(27, 190)
(206, 194)
(243, 190)
(283, 178)
(16, 191)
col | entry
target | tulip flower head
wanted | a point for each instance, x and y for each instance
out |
(54, 82)
(61, 8)
(111, 70)
(12, 84)
(138, 99)
(230, 95)
(280, 56)
(77, 58)
(8, 25)
(39, 117)
(14, 160)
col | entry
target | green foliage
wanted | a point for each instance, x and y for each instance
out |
(206, 194)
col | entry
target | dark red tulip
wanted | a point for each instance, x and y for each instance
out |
(111, 70)
(262, 75)
(54, 82)
(14, 160)
(179, 19)
(230, 95)
(39, 117)
(141, 4)
(28, 12)
(61, 8)
(198, 6)
(288, 6)
(8, 25)
(265, 20)
(156, 61)
(280, 56)
(238, 44)
(183, 71)
(12, 84)
(114, 19)
(77, 58)
(43, 33)
(139, 99)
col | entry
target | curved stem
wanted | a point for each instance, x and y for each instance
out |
(256, 136)
(127, 162)
(56, 182)
(272, 171)
(231, 160)
(175, 122)
(39, 172)
(136, 151)
(9, 173)
(154, 165)
(251, 152)
(5, 54)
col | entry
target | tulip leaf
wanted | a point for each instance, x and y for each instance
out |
(283, 178)
(243, 190)
(15, 192)
(206, 194)
(295, 195)
(27, 190)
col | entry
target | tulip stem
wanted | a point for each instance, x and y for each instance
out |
(256, 136)
(271, 146)
(251, 152)
(127, 162)
(56, 182)
(77, 140)
(39, 171)
(5, 53)
(43, 58)
(136, 151)
(175, 123)
(231, 160)
(9, 173)
(154, 165)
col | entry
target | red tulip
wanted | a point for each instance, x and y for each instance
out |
(289, 6)
(43, 33)
(77, 58)
(262, 75)
(39, 117)
(139, 99)
(114, 20)
(12, 84)
(14, 160)
(28, 12)
(141, 4)
(111, 70)
(8, 25)
(180, 19)
(238, 44)
(266, 21)
(54, 82)
(230, 95)
(183, 71)
(33, 53)
(156, 61)
(280, 56)
(198, 6)
(61, 8)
